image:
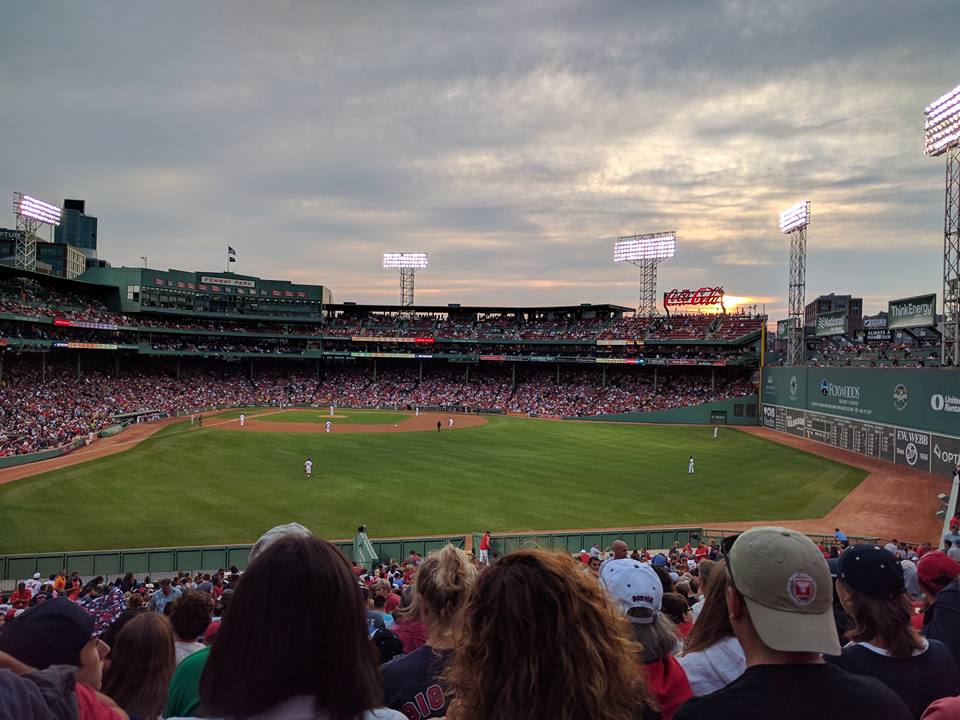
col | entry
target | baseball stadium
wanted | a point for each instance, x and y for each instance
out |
(125, 387)
(236, 494)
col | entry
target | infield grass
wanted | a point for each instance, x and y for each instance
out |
(188, 486)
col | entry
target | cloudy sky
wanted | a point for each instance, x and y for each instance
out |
(512, 141)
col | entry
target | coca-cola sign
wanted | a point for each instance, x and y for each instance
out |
(703, 296)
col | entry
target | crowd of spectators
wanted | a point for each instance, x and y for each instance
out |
(31, 299)
(46, 404)
(763, 624)
(876, 354)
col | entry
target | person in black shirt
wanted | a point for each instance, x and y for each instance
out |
(412, 683)
(780, 601)
(884, 644)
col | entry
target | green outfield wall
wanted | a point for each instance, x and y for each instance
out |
(166, 561)
(735, 411)
(907, 416)
(159, 562)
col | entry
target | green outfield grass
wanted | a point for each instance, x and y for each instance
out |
(188, 486)
(347, 417)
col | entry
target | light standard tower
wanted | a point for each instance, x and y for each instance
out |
(407, 264)
(645, 252)
(793, 222)
(942, 137)
(31, 214)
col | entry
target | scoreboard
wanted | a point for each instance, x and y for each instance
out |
(911, 448)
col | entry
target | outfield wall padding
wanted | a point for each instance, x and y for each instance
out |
(14, 460)
(738, 411)
(910, 417)
(577, 540)
(166, 561)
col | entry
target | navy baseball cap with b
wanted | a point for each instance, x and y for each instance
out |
(51, 633)
(787, 588)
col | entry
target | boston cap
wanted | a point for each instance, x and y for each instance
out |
(633, 586)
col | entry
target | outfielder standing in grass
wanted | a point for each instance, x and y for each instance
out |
(308, 468)
(690, 466)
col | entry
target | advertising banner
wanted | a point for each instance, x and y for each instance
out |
(920, 311)
(796, 423)
(913, 449)
(831, 323)
(785, 386)
(944, 454)
(783, 329)
(910, 416)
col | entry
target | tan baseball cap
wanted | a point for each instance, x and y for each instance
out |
(788, 590)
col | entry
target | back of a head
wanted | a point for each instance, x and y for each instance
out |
(273, 645)
(705, 571)
(191, 614)
(142, 661)
(713, 623)
(541, 640)
(444, 582)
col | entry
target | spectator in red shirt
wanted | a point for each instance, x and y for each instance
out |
(485, 548)
(20, 598)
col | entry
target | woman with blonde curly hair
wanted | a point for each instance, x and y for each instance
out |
(412, 683)
(541, 641)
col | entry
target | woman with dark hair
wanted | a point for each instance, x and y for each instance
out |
(294, 654)
(141, 665)
(883, 643)
(712, 657)
(541, 641)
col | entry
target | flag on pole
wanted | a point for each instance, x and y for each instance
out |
(231, 254)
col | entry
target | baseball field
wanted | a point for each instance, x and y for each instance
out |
(222, 483)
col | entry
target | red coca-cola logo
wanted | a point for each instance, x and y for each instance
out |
(703, 296)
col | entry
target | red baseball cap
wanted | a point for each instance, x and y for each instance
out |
(935, 571)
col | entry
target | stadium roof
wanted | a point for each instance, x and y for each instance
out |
(466, 309)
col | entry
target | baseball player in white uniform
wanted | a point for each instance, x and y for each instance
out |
(690, 467)
(450, 423)
(331, 411)
(243, 419)
(715, 432)
(308, 468)
(327, 426)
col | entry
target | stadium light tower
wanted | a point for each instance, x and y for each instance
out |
(942, 137)
(645, 252)
(31, 214)
(407, 264)
(793, 222)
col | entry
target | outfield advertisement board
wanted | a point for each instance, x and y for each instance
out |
(783, 329)
(911, 417)
(831, 323)
(920, 311)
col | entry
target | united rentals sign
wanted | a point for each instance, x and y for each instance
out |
(920, 311)
(831, 323)
(703, 296)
